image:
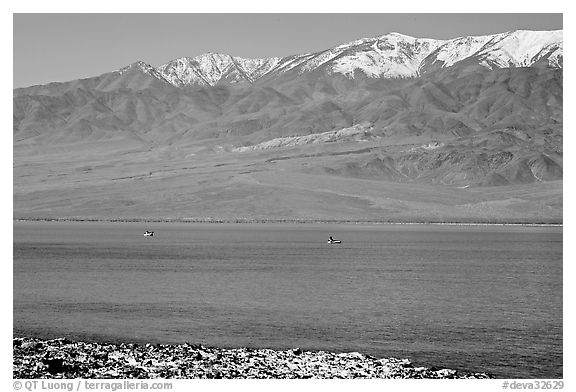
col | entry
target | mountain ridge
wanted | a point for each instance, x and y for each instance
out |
(476, 136)
(391, 55)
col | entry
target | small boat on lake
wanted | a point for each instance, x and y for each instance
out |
(333, 241)
(148, 233)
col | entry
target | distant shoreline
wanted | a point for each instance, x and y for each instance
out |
(287, 221)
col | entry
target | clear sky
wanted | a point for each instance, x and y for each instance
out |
(61, 47)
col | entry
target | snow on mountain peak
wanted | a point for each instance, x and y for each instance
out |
(140, 65)
(210, 68)
(392, 55)
(520, 48)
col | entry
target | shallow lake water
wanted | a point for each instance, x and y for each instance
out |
(473, 298)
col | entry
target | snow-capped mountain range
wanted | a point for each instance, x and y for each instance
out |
(321, 134)
(391, 55)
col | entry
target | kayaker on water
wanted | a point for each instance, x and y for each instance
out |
(333, 241)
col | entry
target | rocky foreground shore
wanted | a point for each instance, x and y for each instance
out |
(62, 358)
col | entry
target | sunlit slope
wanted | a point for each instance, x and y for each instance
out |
(169, 183)
(462, 143)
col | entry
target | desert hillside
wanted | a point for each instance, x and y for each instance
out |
(383, 129)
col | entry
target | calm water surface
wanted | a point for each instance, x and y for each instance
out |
(474, 298)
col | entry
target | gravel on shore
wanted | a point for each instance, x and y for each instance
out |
(63, 358)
